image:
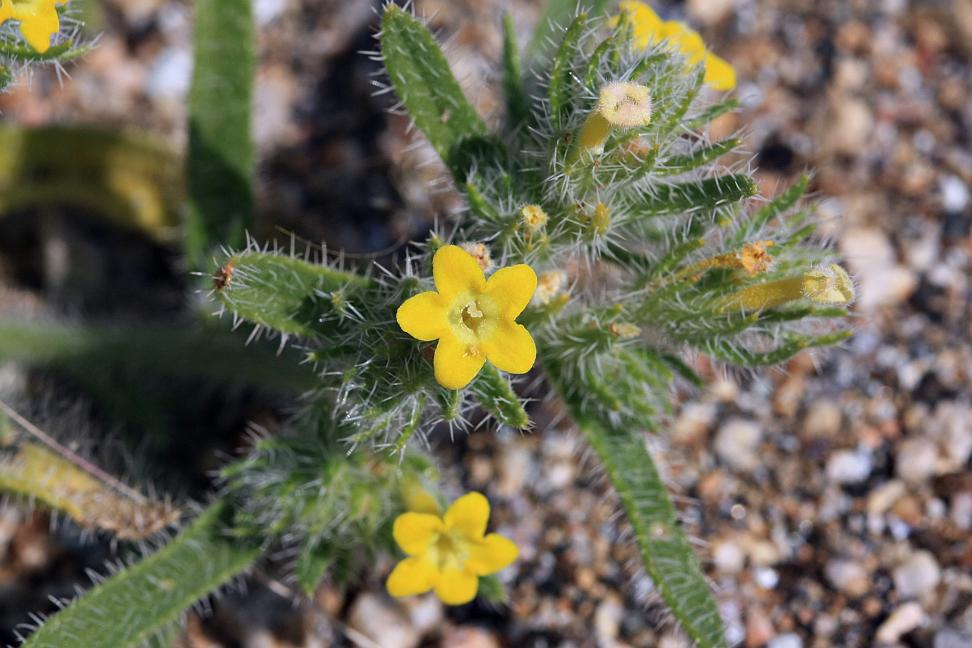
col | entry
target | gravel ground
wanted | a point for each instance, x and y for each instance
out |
(833, 496)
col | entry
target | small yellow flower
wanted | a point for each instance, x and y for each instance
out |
(448, 554)
(473, 319)
(649, 28)
(38, 20)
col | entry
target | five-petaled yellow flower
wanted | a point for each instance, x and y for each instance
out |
(649, 28)
(448, 553)
(474, 319)
(38, 20)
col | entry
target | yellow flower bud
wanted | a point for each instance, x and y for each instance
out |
(549, 285)
(625, 105)
(479, 252)
(601, 220)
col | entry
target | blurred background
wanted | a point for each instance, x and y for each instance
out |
(831, 498)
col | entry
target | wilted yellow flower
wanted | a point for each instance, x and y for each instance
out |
(534, 217)
(448, 554)
(649, 28)
(473, 319)
(550, 285)
(823, 285)
(754, 259)
(828, 285)
(38, 20)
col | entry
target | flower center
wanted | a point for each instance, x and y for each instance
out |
(472, 316)
(449, 552)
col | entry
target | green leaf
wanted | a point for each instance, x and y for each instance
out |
(6, 77)
(134, 604)
(220, 160)
(493, 393)
(288, 295)
(667, 555)
(710, 113)
(771, 210)
(556, 15)
(733, 353)
(60, 53)
(517, 104)
(423, 81)
(698, 158)
(312, 562)
(209, 353)
(561, 71)
(690, 196)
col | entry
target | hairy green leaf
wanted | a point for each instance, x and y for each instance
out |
(695, 195)
(139, 601)
(668, 557)
(420, 74)
(220, 161)
(517, 104)
(700, 157)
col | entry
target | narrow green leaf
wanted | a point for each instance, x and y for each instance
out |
(561, 72)
(134, 604)
(288, 295)
(220, 160)
(493, 393)
(423, 81)
(733, 353)
(556, 14)
(710, 113)
(312, 562)
(6, 77)
(771, 210)
(668, 557)
(60, 53)
(517, 104)
(701, 156)
(690, 196)
(209, 353)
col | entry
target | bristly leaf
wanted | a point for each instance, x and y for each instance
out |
(561, 71)
(773, 209)
(695, 195)
(698, 158)
(420, 74)
(6, 77)
(493, 393)
(710, 113)
(734, 353)
(556, 15)
(220, 160)
(286, 294)
(129, 608)
(517, 104)
(665, 550)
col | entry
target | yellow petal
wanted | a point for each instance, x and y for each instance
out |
(644, 20)
(422, 316)
(411, 576)
(37, 25)
(512, 287)
(686, 40)
(511, 348)
(456, 587)
(468, 515)
(6, 11)
(455, 271)
(719, 74)
(414, 531)
(456, 363)
(491, 555)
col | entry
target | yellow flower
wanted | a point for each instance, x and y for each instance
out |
(473, 319)
(448, 553)
(38, 20)
(649, 28)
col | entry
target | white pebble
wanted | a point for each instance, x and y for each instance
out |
(917, 576)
